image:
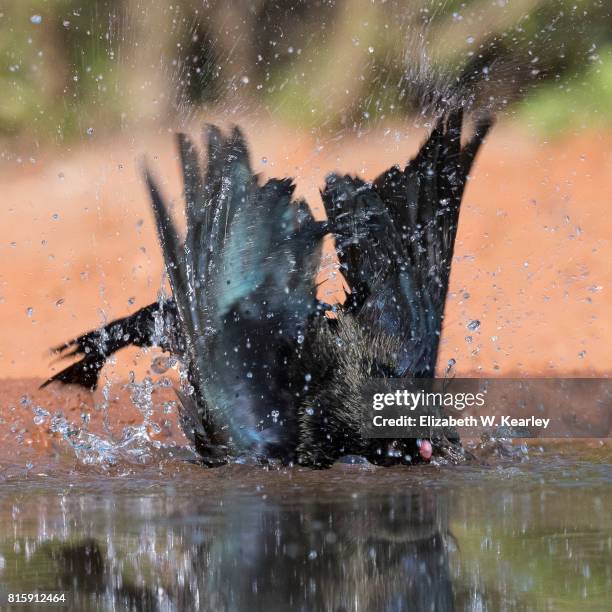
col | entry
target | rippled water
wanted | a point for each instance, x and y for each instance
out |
(528, 532)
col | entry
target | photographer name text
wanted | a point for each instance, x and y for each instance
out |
(467, 421)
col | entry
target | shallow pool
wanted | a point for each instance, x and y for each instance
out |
(528, 531)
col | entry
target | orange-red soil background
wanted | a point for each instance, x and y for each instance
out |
(532, 258)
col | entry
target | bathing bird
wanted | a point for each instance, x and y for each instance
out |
(270, 374)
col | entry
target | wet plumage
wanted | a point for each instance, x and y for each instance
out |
(270, 375)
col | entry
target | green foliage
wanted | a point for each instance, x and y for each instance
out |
(57, 68)
(584, 100)
(311, 62)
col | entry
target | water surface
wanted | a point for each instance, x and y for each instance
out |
(530, 531)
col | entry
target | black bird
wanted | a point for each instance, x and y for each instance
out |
(270, 375)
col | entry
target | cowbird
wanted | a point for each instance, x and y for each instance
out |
(270, 374)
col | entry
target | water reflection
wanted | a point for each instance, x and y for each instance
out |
(364, 553)
(472, 539)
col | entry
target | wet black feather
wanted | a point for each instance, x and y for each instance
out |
(268, 374)
(153, 325)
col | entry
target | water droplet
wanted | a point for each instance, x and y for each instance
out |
(90, 131)
(300, 339)
(36, 19)
(59, 302)
(370, 49)
(470, 40)
(582, 354)
(160, 364)
(249, 374)
(473, 325)
(29, 311)
(309, 411)
(244, 80)
(40, 415)
(308, 377)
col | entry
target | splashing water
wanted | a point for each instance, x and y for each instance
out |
(136, 444)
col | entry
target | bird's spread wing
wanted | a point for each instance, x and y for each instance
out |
(244, 287)
(153, 325)
(395, 240)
